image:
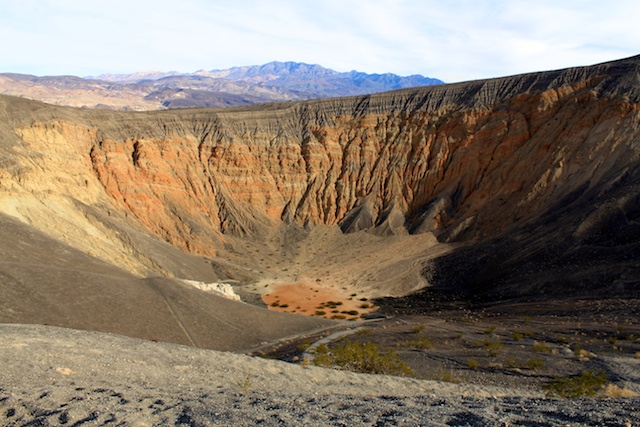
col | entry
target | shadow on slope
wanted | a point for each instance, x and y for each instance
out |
(587, 246)
(43, 281)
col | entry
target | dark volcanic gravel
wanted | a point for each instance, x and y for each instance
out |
(101, 406)
(54, 376)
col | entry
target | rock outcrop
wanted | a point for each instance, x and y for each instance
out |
(469, 162)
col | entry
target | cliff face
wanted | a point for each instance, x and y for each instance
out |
(422, 159)
(469, 162)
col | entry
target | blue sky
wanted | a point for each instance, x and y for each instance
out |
(453, 40)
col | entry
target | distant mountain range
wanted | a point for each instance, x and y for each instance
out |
(237, 86)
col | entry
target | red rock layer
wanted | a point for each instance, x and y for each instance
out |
(465, 161)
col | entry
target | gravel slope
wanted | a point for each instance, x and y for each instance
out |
(54, 376)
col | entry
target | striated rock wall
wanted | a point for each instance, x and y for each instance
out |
(467, 161)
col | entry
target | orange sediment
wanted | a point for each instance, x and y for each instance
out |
(316, 300)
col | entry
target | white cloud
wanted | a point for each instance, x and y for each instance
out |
(453, 40)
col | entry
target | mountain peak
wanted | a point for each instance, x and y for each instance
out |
(274, 81)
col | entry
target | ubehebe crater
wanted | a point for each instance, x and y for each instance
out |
(518, 187)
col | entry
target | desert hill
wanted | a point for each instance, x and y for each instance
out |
(523, 186)
(237, 86)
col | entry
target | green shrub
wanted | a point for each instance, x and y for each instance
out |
(577, 349)
(540, 347)
(422, 343)
(417, 329)
(363, 357)
(244, 383)
(492, 347)
(304, 345)
(587, 384)
(535, 363)
(446, 376)
(473, 364)
(351, 312)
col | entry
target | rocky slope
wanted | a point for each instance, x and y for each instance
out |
(53, 376)
(530, 182)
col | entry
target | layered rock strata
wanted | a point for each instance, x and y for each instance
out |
(467, 162)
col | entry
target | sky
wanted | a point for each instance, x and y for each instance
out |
(453, 40)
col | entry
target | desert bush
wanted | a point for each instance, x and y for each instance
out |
(587, 384)
(517, 336)
(541, 347)
(613, 391)
(333, 304)
(244, 383)
(304, 345)
(422, 343)
(492, 347)
(351, 312)
(490, 330)
(473, 364)
(364, 332)
(363, 357)
(447, 376)
(320, 313)
(535, 363)
(417, 329)
(496, 366)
